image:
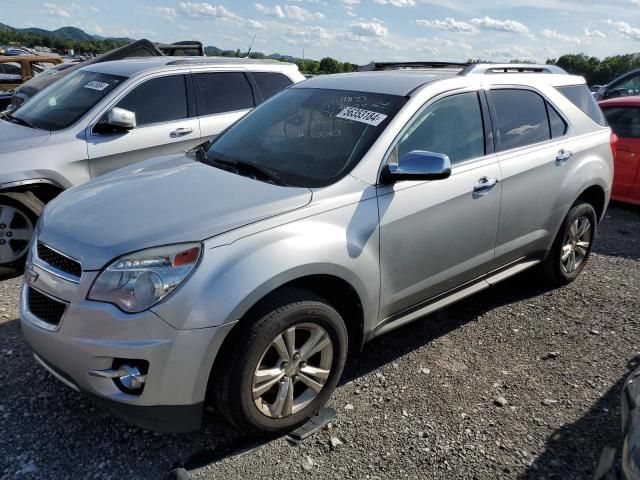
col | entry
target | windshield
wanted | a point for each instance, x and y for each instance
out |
(308, 137)
(67, 100)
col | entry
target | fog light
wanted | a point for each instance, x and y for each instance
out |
(130, 377)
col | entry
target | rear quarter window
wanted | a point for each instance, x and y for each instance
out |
(582, 98)
(271, 83)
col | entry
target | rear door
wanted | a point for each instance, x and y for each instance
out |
(533, 151)
(625, 123)
(222, 99)
(166, 124)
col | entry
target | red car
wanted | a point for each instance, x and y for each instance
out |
(623, 115)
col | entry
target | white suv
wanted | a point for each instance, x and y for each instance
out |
(108, 115)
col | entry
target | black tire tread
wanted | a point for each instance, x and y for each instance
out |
(253, 325)
(550, 270)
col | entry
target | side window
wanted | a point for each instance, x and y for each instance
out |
(522, 118)
(223, 92)
(12, 68)
(626, 88)
(452, 126)
(556, 123)
(582, 98)
(158, 100)
(624, 121)
(271, 83)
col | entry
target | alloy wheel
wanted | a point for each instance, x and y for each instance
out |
(16, 230)
(576, 244)
(292, 370)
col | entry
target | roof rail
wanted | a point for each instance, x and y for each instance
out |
(409, 65)
(491, 68)
(222, 60)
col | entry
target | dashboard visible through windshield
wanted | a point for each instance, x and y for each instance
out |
(308, 137)
(66, 101)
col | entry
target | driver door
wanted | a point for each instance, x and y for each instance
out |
(437, 235)
(165, 124)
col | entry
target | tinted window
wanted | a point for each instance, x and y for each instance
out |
(223, 92)
(582, 98)
(63, 102)
(11, 68)
(271, 83)
(309, 137)
(556, 122)
(158, 100)
(522, 118)
(624, 121)
(625, 88)
(452, 126)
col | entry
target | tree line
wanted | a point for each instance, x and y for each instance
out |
(311, 67)
(8, 36)
(596, 71)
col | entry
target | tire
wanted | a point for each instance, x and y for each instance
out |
(557, 268)
(234, 380)
(17, 224)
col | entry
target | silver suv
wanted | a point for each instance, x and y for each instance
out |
(108, 115)
(342, 208)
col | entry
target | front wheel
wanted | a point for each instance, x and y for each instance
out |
(286, 360)
(572, 246)
(17, 224)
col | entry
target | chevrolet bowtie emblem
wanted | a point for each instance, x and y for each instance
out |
(30, 275)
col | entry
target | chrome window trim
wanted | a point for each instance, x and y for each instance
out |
(414, 117)
(544, 97)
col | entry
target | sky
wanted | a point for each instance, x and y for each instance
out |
(358, 31)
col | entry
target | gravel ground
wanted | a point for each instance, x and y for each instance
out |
(515, 382)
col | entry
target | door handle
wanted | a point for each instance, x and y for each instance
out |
(179, 132)
(562, 156)
(484, 186)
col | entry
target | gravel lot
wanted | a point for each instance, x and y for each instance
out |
(516, 382)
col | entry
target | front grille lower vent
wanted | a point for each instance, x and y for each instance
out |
(45, 308)
(59, 261)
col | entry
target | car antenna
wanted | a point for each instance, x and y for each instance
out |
(251, 46)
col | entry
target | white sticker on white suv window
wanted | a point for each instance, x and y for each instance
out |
(361, 115)
(96, 85)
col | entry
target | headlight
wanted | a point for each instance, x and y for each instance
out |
(139, 280)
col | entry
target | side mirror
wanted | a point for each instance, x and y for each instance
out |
(119, 117)
(117, 120)
(418, 165)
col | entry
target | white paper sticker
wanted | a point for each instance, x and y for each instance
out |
(96, 85)
(361, 115)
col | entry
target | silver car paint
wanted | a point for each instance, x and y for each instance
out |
(158, 210)
(74, 155)
(352, 230)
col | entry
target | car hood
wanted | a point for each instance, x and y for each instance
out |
(17, 137)
(158, 202)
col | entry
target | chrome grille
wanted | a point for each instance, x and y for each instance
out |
(45, 308)
(59, 261)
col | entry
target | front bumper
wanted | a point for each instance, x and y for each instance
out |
(92, 334)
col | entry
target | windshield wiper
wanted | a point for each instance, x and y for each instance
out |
(263, 171)
(17, 120)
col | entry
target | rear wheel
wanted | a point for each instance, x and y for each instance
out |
(572, 246)
(17, 224)
(284, 363)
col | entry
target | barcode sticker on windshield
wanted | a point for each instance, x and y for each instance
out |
(96, 85)
(361, 115)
